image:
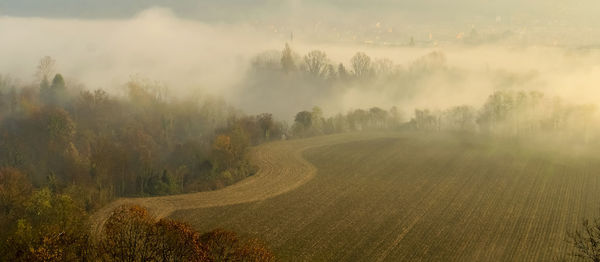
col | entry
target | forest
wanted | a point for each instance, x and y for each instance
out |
(67, 151)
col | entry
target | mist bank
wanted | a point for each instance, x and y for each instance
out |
(241, 62)
(412, 77)
(184, 54)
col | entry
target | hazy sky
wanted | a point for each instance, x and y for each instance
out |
(532, 11)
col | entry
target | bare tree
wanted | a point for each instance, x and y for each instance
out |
(383, 67)
(361, 65)
(268, 60)
(316, 63)
(46, 68)
(586, 240)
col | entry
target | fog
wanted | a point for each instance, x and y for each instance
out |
(473, 123)
(190, 56)
(156, 44)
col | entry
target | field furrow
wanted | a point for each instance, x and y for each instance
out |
(421, 198)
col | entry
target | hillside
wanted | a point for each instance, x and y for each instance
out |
(281, 169)
(407, 197)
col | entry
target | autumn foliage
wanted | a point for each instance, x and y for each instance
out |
(66, 151)
(132, 234)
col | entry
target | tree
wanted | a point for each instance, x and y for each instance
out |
(342, 72)
(460, 118)
(239, 142)
(58, 83)
(383, 67)
(59, 89)
(178, 241)
(317, 120)
(361, 65)
(378, 117)
(55, 94)
(52, 228)
(287, 59)
(357, 119)
(45, 91)
(496, 109)
(586, 240)
(425, 120)
(316, 63)
(57, 125)
(128, 235)
(46, 68)
(304, 118)
(266, 123)
(14, 189)
(228, 149)
(429, 63)
(224, 245)
(267, 61)
(395, 117)
(330, 72)
(302, 123)
(132, 234)
(146, 93)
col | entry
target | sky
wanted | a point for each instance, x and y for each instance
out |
(574, 21)
(531, 11)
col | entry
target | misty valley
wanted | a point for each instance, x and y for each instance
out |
(299, 131)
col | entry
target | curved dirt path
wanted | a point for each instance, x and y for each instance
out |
(281, 169)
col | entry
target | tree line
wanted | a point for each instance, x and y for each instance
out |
(314, 78)
(313, 123)
(361, 67)
(505, 113)
(514, 114)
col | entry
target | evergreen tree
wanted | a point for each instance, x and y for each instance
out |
(45, 92)
(58, 90)
(287, 59)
